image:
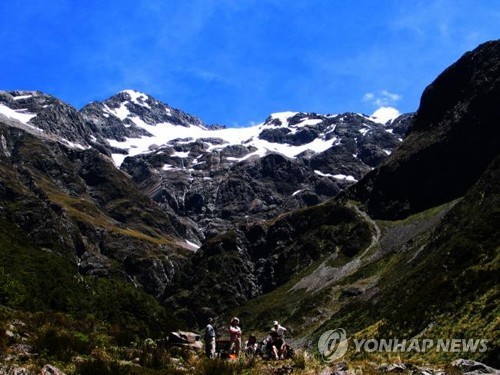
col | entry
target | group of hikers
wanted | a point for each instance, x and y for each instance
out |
(272, 347)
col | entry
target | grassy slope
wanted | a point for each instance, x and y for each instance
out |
(439, 282)
(304, 310)
(77, 204)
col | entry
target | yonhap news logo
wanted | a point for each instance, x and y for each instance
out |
(333, 344)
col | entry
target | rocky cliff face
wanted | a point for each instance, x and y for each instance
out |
(209, 174)
(252, 260)
(115, 116)
(74, 202)
(49, 117)
(454, 137)
(292, 160)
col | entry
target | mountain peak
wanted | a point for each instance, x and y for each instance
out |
(136, 97)
(143, 109)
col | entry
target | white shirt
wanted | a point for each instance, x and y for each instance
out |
(280, 330)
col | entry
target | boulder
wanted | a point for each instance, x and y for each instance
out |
(184, 339)
(470, 367)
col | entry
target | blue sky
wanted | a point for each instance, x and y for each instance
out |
(236, 61)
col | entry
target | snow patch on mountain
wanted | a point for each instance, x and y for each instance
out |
(21, 97)
(283, 117)
(336, 176)
(344, 177)
(193, 245)
(165, 132)
(137, 97)
(121, 112)
(19, 114)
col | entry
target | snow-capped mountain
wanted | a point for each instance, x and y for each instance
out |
(147, 124)
(185, 181)
(212, 174)
(216, 175)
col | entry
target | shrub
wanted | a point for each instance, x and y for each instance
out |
(61, 344)
(153, 355)
(300, 359)
(218, 367)
(12, 292)
(99, 366)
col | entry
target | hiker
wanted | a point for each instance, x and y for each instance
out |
(235, 336)
(278, 346)
(251, 345)
(209, 338)
(280, 330)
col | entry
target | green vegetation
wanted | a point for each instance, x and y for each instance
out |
(35, 280)
(444, 284)
(432, 275)
(62, 315)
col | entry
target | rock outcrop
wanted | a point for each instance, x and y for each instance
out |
(74, 202)
(217, 183)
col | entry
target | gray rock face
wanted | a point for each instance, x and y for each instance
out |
(402, 125)
(14, 370)
(252, 259)
(76, 203)
(204, 177)
(112, 116)
(54, 118)
(470, 367)
(51, 370)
